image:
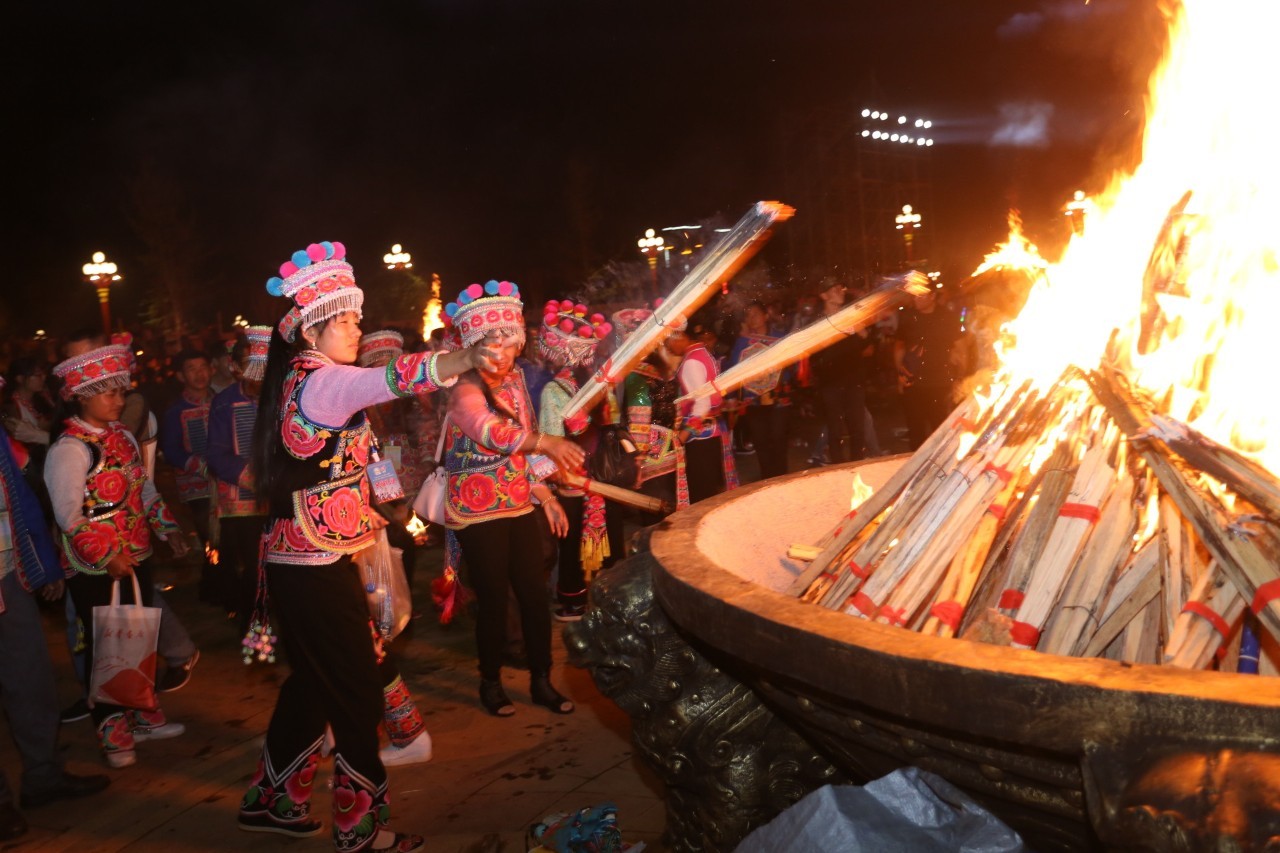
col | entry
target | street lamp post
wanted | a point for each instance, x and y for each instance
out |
(397, 258)
(907, 222)
(650, 245)
(101, 273)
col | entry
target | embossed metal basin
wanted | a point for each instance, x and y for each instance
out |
(1074, 753)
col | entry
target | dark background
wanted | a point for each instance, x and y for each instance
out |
(201, 144)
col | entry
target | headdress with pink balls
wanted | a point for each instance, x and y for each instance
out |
(479, 310)
(321, 284)
(569, 335)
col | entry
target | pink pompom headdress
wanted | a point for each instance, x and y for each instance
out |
(321, 284)
(569, 336)
(481, 309)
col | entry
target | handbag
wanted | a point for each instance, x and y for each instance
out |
(429, 503)
(613, 460)
(385, 586)
(124, 652)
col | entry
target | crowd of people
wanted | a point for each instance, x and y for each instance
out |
(270, 439)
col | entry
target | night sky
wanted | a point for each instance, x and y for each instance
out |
(523, 140)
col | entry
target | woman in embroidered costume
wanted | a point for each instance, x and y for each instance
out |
(491, 486)
(310, 450)
(567, 344)
(106, 509)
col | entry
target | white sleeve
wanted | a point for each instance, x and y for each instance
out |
(66, 469)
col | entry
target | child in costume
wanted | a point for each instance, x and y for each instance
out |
(106, 509)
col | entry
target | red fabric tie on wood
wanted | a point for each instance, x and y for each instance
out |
(948, 613)
(966, 425)
(1003, 474)
(1204, 612)
(1011, 599)
(1025, 634)
(863, 602)
(858, 570)
(1089, 513)
(895, 615)
(1266, 593)
(998, 510)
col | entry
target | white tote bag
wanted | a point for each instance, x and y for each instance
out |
(430, 501)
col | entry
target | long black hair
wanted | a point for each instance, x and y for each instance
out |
(267, 459)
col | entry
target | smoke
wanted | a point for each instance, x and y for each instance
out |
(1023, 125)
(1025, 24)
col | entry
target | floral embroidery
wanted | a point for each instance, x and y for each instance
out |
(110, 486)
(476, 492)
(350, 807)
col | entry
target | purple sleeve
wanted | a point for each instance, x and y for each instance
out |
(335, 392)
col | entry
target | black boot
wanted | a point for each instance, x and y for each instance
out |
(494, 698)
(544, 694)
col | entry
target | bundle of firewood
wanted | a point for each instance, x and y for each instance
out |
(1072, 521)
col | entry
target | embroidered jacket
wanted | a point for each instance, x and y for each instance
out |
(114, 508)
(231, 417)
(23, 532)
(319, 505)
(488, 477)
(184, 440)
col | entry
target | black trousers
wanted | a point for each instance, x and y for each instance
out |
(322, 621)
(767, 428)
(571, 582)
(238, 563)
(926, 406)
(503, 554)
(844, 408)
(90, 591)
(704, 467)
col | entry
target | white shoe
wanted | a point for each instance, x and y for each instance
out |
(164, 732)
(417, 751)
(122, 758)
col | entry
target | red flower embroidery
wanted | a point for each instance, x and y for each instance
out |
(327, 285)
(349, 807)
(476, 492)
(518, 491)
(118, 445)
(298, 786)
(503, 435)
(94, 542)
(342, 512)
(596, 519)
(109, 486)
(305, 296)
(300, 441)
(92, 369)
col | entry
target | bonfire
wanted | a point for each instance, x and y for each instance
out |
(1110, 490)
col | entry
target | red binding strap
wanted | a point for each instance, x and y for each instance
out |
(1089, 513)
(948, 613)
(1003, 474)
(895, 615)
(966, 425)
(998, 510)
(863, 602)
(1025, 634)
(827, 576)
(1266, 593)
(1011, 599)
(860, 571)
(606, 370)
(1208, 614)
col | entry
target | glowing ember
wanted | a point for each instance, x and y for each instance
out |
(211, 554)
(431, 314)
(415, 527)
(861, 491)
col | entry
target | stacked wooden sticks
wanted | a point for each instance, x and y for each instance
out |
(1073, 521)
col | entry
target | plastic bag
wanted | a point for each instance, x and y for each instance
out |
(124, 652)
(385, 587)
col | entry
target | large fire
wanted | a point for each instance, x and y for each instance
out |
(1178, 261)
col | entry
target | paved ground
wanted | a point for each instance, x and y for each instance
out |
(490, 778)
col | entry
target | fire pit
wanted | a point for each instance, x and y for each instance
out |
(1073, 753)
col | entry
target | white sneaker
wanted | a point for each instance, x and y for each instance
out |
(164, 732)
(122, 758)
(417, 751)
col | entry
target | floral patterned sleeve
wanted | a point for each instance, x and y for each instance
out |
(470, 411)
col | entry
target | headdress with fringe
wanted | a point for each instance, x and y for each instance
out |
(569, 336)
(321, 284)
(95, 371)
(375, 345)
(480, 309)
(259, 338)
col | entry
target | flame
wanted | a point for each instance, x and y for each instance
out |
(211, 554)
(1017, 253)
(1177, 279)
(861, 491)
(431, 314)
(415, 525)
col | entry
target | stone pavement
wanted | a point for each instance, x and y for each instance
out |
(489, 780)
